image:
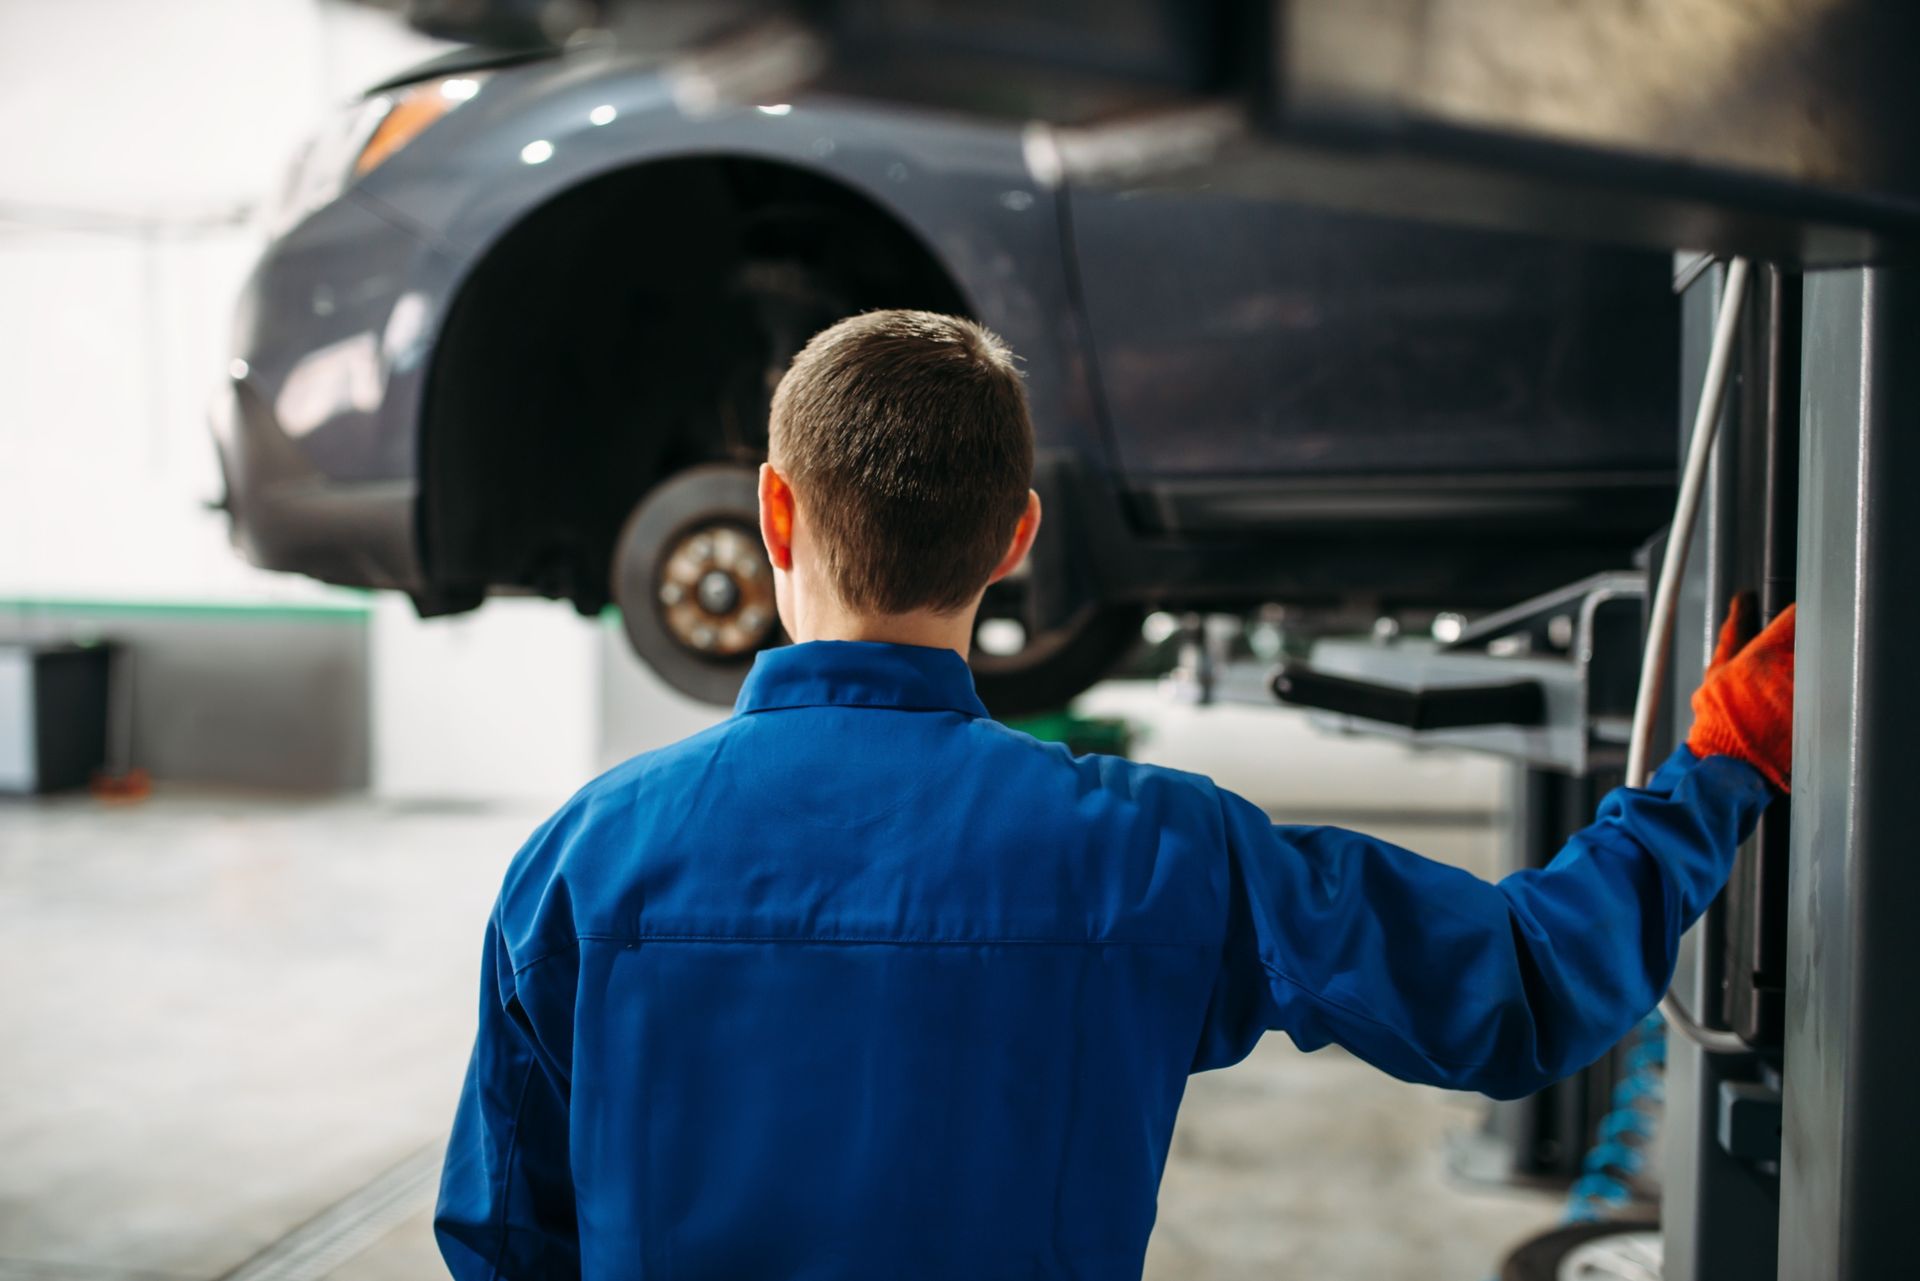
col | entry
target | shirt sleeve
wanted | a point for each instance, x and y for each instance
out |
(1437, 976)
(506, 1209)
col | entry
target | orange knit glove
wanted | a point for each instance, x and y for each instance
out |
(1744, 707)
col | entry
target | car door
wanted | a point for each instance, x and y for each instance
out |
(1259, 359)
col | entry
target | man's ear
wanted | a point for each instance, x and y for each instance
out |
(1023, 535)
(776, 516)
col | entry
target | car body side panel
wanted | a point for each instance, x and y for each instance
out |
(1237, 335)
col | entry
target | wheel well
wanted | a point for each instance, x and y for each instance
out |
(622, 332)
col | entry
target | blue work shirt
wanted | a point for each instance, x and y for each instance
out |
(862, 984)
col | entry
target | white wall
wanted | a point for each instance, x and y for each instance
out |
(499, 703)
(137, 135)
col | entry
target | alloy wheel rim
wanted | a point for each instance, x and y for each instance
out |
(715, 591)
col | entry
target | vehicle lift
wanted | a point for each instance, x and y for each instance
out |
(1800, 1116)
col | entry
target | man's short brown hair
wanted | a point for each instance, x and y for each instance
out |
(906, 438)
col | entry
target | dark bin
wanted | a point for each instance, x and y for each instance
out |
(53, 715)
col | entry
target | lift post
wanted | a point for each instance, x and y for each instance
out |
(1852, 1114)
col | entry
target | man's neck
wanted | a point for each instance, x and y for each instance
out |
(921, 627)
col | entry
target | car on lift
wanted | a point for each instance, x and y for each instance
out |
(520, 318)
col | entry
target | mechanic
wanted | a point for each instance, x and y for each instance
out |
(861, 984)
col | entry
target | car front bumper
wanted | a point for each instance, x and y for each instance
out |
(317, 425)
(287, 515)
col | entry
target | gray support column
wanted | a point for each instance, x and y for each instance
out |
(1851, 1157)
(1716, 1212)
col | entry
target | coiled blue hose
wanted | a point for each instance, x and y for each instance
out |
(1619, 1150)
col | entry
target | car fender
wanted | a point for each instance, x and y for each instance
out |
(965, 190)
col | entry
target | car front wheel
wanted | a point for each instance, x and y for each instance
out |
(696, 600)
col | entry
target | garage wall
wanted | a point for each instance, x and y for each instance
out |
(261, 697)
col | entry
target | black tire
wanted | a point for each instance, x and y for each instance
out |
(1544, 1257)
(718, 498)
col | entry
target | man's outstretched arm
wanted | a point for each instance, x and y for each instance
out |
(1437, 976)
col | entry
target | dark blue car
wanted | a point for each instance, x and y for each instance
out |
(522, 315)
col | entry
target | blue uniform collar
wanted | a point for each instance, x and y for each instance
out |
(910, 678)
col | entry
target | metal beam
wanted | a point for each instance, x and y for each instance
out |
(1852, 1115)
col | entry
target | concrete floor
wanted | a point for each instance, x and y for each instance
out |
(225, 1013)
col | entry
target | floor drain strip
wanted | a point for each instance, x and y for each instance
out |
(349, 1225)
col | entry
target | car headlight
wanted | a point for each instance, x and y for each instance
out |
(359, 140)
